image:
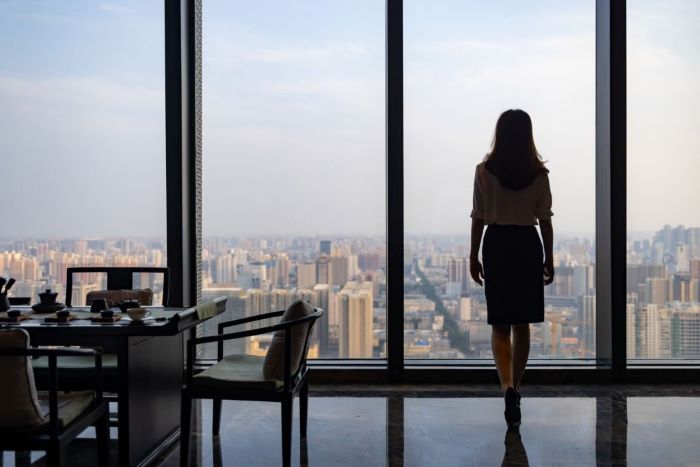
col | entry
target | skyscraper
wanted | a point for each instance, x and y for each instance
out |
(588, 323)
(356, 311)
(458, 271)
(686, 333)
(306, 275)
(325, 247)
(631, 326)
(656, 291)
(649, 332)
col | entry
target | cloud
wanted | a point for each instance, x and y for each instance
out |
(116, 8)
(336, 51)
(78, 153)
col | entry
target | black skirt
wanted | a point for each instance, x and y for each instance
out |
(513, 272)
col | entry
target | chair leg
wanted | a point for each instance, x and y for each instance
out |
(22, 458)
(303, 408)
(287, 406)
(56, 456)
(102, 432)
(216, 421)
(185, 429)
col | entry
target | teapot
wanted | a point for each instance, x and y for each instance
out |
(48, 297)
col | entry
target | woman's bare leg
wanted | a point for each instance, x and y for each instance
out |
(521, 351)
(502, 354)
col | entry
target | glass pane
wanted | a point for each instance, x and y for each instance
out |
(663, 249)
(82, 139)
(465, 63)
(294, 166)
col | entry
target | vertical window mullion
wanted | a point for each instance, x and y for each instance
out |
(395, 188)
(611, 178)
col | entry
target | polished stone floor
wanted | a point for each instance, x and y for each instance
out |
(454, 426)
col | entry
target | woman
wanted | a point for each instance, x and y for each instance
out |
(511, 194)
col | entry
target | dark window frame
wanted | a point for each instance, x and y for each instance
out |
(183, 91)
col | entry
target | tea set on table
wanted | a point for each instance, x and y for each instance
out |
(132, 308)
(48, 304)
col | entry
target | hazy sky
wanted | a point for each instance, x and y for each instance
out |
(294, 115)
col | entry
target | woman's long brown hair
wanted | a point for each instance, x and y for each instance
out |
(514, 158)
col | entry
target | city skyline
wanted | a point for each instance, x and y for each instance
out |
(444, 311)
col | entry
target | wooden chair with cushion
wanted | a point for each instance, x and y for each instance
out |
(119, 287)
(277, 377)
(38, 421)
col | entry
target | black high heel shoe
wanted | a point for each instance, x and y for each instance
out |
(512, 412)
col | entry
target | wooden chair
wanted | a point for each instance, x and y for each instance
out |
(119, 279)
(76, 372)
(35, 421)
(246, 377)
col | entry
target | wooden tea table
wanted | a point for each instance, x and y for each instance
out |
(150, 360)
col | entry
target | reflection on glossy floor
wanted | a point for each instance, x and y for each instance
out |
(453, 426)
(456, 426)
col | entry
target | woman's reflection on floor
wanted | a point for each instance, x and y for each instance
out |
(515, 454)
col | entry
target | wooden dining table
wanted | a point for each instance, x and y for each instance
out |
(149, 360)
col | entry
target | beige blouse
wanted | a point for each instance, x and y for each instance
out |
(498, 205)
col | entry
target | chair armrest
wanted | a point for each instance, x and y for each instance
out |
(235, 322)
(45, 352)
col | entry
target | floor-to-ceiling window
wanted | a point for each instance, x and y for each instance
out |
(663, 222)
(82, 115)
(294, 166)
(465, 63)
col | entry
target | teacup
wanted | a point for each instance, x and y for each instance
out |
(107, 313)
(138, 314)
(13, 313)
(100, 304)
(127, 304)
(62, 313)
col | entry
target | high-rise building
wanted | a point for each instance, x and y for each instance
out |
(639, 273)
(588, 323)
(80, 291)
(695, 268)
(325, 247)
(458, 271)
(323, 270)
(686, 333)
(682, 257)
(338, 273)
(683, 288)
(656, 291)
(465, 308)
(355, 309)
(306, 275)
(631, 326)
(649, 332)
(283, 267)
(322, 294)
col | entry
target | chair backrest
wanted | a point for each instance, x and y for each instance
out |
(144, 296)
(119, 279)
(19, 405)
(273, 367)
